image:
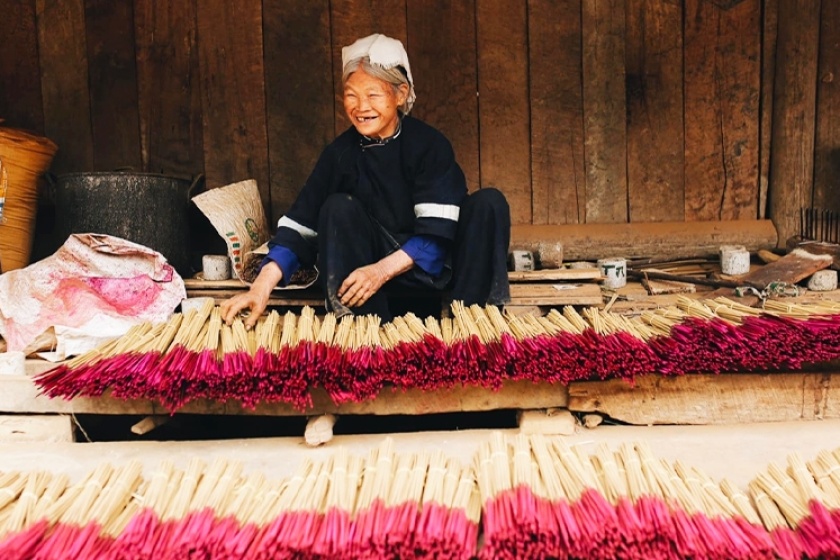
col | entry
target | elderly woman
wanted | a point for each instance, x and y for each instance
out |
(386, 205)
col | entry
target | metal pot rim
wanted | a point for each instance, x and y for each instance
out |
(81, 174)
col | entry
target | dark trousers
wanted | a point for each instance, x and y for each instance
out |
(348, 238)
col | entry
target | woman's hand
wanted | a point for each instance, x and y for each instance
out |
(255, 299)
(365, 281)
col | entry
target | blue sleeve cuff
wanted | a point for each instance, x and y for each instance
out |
(286, 259)
(428, 253)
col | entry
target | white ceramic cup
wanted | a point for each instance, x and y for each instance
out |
(614, 271)
(215, 267)
(734, 260)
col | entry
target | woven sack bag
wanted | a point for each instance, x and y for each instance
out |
(237, 213)
(25, 157)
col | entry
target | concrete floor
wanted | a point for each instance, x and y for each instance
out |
(737, 452)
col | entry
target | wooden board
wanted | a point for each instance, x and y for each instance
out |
(655, 153)
(665, 239)
(769, 32)
(712, 399)
(64, 82)
(504, 122)
(794, 114)
(562, 274)
(304, 81)
(791, 268)
(661, 287)
(46, 428)
(819, 248)
(441, 48)
(109, 28)
(169, 102)
(558, 181)
(605, 111)
(826, 164)
(722, 85)
(19, 395)
(233, 94)
(21, 103)
(556, 294)
(546, 275)
(199, 284)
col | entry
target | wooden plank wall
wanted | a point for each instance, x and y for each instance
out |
(581, 111)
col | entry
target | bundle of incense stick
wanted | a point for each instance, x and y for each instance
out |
(386, 506)
(543, 499)
(195, 355)
(531, 496)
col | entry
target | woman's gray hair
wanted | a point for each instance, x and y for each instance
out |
(394, 76)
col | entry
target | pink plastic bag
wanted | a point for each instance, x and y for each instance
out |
(91, 278)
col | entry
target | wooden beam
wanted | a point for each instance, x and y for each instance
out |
(504, 108)
(827, 164)
(794, 115)
(169, 101)
(655, 117)
(441, 48)
(558, 181)
(64, 82)
(231, 66)
(112, 72)
(604, 110)
(21, 102)
(298, 33)
(711, 399)
(722, 88)
(769, 33)
(662, 239)
(18, 394)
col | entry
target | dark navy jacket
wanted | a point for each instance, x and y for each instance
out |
(410, 184)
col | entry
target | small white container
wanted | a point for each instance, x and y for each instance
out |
(215, 267)
(614, 271)
(823, 281)
(521, 260)
(734, 260)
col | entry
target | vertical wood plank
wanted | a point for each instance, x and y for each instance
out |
(112, 69)
(64, 83)
(794, 111)
(230, 50)
(827, 150)
(441, 48)
(169, 87)
(504, 116)
(21, 104)
(299, 93)
(605, 111)
(655, 138)
(354, 19)
(558, 180)
(722, 84)
(770, 21)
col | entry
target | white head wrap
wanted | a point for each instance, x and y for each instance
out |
(384, 52)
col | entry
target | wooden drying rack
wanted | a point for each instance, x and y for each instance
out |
(552, 287)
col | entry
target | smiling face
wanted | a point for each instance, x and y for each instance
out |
(372, 104)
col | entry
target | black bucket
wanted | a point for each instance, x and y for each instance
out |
(146, 208)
